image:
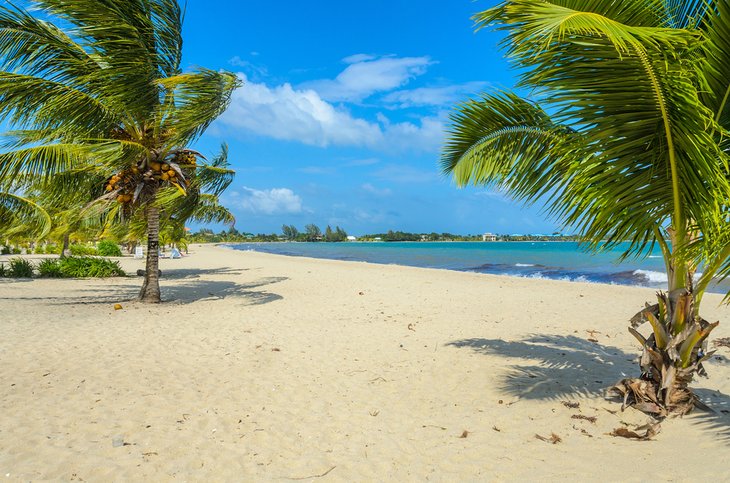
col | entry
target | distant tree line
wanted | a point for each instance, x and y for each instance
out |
(312, 233)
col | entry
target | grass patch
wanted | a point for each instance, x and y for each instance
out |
(108, 249)
(50, 268)
(86, 267)
(20, 268)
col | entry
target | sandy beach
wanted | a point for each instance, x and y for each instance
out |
(261, 367)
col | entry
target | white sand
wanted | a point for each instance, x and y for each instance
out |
(261, 367)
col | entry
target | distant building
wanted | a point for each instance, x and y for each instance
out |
(489, 237)
(351, 238)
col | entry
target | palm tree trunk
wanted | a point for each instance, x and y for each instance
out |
(150, 292)
(65, 252)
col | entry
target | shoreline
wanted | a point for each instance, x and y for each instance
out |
(264, 367)
(578, 276)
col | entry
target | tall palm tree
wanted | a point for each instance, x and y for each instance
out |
(625, 138)
(98, 82)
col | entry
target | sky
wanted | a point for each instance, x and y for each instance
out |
(343, 112)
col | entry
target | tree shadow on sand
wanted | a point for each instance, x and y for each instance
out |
(559, 366)
(188, 273)
(185, 292)
(221, 289)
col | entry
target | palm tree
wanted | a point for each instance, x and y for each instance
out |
(625, 138)
(99, 83)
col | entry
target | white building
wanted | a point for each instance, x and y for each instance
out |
(489, 237)
(351, 238)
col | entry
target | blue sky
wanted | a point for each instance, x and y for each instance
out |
(343, 109)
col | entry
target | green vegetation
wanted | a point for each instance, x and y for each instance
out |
(82, 250)
(50, 268)
(20, 268)
(291, 233)
(67, 267)
(101, 110)
(107, 248)
(83, 267)
(625, 138)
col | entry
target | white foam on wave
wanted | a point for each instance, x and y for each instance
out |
(524, 264)
(652, 276)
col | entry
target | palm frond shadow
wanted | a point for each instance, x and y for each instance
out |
(564, 365)
(717, 420)
(181, 293)
(186, 273)
(214, 289)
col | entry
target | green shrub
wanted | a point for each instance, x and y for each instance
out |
(50, 268)
(82, 250)
(3, 271)
(53, 250)
(5, 251)
(20, 268)
(16, 250)
(83, 267)
(39, 249)
(108, 248)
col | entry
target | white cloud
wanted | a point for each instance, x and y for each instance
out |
(353, 59)
(268, 202)
(283, 112)
(376, 191)
(365, 75)
(426, 136)
(434, 96)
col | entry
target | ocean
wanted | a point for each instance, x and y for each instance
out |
(547, 260)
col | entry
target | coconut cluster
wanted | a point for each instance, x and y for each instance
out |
(185, 158)
(124, 184)
(160, 171)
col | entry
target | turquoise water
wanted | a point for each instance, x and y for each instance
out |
(551, 260)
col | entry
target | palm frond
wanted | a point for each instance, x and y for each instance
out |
(47, 160)
(215, 177)
(19, 214)
(197, 99)
(508, 143)
(38, 48)
(209, 210)
(46, 104)
(717, 68)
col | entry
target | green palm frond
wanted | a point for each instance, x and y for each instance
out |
(19, 214)
(209, 210)
(47, 160)
(508, 143)
(717, 68)
(39, 48)
(195, 100)
(215, 177)
(46, 104)
(690, 14)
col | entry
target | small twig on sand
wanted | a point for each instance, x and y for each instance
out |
(312, 476)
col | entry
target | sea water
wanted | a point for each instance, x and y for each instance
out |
(549, 260)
